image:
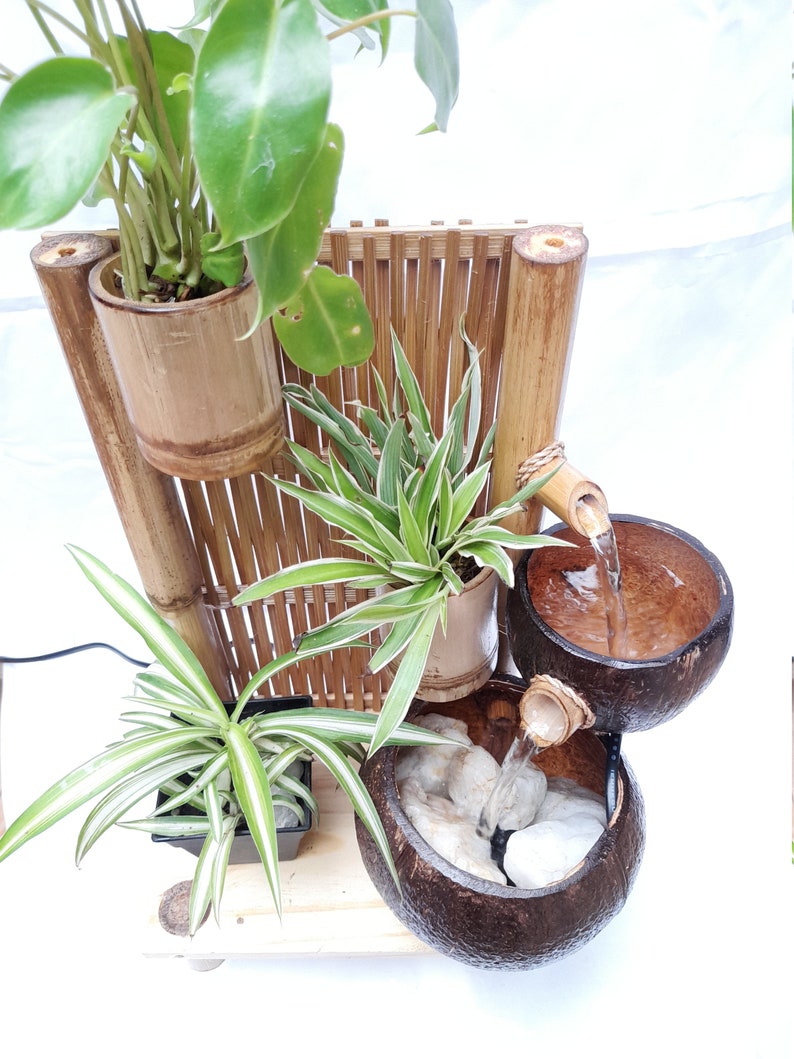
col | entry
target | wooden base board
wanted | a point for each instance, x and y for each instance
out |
(330, 906)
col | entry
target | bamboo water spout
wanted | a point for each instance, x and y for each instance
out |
(570, 495)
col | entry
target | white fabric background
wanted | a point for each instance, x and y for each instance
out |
(664, 128)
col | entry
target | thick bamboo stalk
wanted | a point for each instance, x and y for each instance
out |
(546, 275)
(147, 501)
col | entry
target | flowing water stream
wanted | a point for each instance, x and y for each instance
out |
(606, 591)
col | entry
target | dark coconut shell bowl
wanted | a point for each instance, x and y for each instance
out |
(668, 577)
(480, 922)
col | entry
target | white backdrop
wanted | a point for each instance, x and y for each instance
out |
(664, 128)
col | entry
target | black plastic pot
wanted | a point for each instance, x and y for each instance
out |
(288, 839)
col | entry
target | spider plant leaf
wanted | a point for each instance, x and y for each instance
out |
(464, 497)
(411, 389)
(487, 446)
(337, 726)
(341, 513)
(407, 679)
(166, 694)
(412, 572)
(452, 578)
(348, 779)
(127, 793)
(210, 770)
(97, 776)
(300, 575)
(267, 672)
(444, 509)
(213, 804)
(182, 826)
(426, 497)
(208, 879)
(308, 464)
(252, 787)
(159, 685)
(378, 430)
(164, 643)
(416, 536)
(395, 641)
(220, 863)
(388, 485)
(333, 635)
(383, 397)
(492, 555)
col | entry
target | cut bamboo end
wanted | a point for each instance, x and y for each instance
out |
(551, 244)
(551, 712)
(571, 496)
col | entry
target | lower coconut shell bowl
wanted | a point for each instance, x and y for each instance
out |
(670, 580)
(480, 922)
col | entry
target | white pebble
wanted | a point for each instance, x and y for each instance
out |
(452, 836)
(545, 852)
(471, 779)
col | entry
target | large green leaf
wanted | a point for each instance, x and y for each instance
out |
(262, 89)
(436, 55)
(57, 123)
(327, 324)
(172, 58)
(282, 257)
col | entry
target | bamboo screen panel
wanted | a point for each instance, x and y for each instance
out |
(420, 282)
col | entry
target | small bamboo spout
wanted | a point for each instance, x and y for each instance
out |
(551, 711)
(568, 494)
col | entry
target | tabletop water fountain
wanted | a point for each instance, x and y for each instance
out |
(616, 633)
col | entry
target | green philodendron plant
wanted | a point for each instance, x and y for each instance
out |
(214, 145)
(218, 766)
(404, 500)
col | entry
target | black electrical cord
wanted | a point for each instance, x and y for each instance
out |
(74, 650)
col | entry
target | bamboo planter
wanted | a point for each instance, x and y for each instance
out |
(203, 400)
(463, 660)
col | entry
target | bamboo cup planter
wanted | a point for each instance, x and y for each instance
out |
(463, 660)
(203, 400)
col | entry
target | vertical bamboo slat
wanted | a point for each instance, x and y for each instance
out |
(546, 275)
(147, 500)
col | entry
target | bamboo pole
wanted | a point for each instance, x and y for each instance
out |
(147, 501)
(546, 275)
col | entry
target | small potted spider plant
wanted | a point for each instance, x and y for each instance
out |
(404, 499)
(223, 767)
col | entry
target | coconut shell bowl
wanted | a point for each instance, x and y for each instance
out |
(483, 923)
(679, 610)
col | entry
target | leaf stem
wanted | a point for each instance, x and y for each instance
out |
(367, 20)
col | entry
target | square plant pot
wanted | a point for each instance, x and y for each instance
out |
(288, 839)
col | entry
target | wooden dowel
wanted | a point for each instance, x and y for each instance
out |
(546, 274)
(147, 501)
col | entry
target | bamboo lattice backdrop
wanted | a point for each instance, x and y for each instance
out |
(419, 281)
